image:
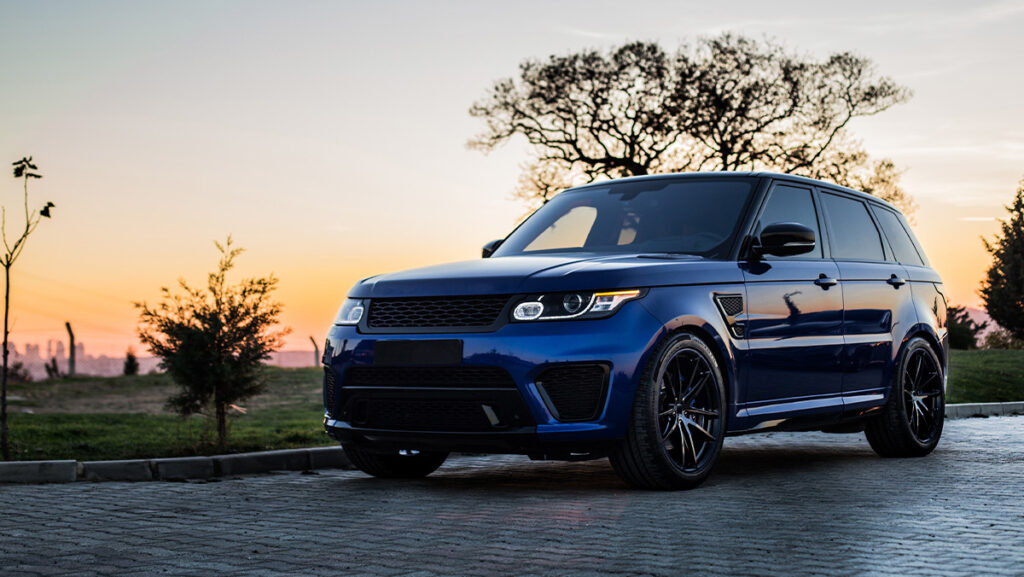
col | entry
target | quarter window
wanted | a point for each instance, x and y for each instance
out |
(791, 204)
(851, 230)
(899, 238)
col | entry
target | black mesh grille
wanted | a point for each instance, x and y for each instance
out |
(445, 377)
(471, 311)
(732, 305)
(330, 392)
(576, 391)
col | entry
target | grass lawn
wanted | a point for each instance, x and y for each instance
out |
(985, 377)
(123, 418)
(90, 418)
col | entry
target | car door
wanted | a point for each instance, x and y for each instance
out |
(878, 305)
(794, 316)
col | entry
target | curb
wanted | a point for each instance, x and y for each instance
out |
(174, 469)
(967, 410)
(185, 468)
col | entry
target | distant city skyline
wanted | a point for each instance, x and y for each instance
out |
(329, 138)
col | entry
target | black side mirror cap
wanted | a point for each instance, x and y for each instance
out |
(784, 239)
(490, 247)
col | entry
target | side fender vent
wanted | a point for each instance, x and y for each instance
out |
(731, 307)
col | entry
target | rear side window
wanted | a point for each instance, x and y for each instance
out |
(791, 204)
(898, 236)
(851, 230)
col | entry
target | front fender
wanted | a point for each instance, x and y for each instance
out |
(693, 308)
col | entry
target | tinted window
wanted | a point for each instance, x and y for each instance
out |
(898, 237)
(851, 230)
(791, 204)
(691, 216)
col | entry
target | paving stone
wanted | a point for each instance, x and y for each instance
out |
(777, 504)
(247, 463)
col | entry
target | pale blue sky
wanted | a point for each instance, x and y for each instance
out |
(329, 137)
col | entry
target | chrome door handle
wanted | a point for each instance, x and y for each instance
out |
(896, 281)
(825, 281)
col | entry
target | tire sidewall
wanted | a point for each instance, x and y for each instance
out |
(676, 344)
(916, 344)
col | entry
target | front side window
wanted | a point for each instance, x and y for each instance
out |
(689, 216)
(899, 237)
(852, 233)
(791, 204)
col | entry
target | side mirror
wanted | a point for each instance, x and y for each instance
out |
(784, 239)
(490, 247)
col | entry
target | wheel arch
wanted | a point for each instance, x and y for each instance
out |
(718, 346)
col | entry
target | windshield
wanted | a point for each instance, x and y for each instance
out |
(691, 216)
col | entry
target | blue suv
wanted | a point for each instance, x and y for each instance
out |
(644, 320)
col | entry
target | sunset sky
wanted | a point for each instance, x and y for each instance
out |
(329, 137)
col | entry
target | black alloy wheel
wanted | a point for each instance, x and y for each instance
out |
(678, 420)
(911, 422)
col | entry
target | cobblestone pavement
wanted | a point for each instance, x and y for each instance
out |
(781, 503)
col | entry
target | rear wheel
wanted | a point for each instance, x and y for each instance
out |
(911, 422)
(398, 465)
(678, 421)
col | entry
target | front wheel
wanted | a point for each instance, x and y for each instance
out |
(678, 421)
(398, 465)
(911, 422)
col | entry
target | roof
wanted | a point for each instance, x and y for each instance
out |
(758, 174)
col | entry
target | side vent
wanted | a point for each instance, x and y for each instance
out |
(731, 307)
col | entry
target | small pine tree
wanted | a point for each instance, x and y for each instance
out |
(1003, 287)
(963, 332)
(131, 363)
(213, 342)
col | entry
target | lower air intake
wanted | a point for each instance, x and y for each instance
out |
(330, 392)
(574, 392)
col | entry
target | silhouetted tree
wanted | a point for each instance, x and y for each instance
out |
(963, 331)
(212, 342)
(727, 103)
(17, 373)
(52, 370)
(25, 170)
(131, 363)
(1003, 287)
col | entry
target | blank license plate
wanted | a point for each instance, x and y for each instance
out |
(406, 353)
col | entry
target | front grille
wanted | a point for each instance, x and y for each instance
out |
(436, 312)
(330, 392)
(574, 392)
(466, 376)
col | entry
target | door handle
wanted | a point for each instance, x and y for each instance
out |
(896, 281)
(825, 281)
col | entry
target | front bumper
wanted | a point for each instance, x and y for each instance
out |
(519, 416)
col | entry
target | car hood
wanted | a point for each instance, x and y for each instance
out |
(549, 273)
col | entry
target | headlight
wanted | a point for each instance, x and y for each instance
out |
(350, 313)
(572, 305)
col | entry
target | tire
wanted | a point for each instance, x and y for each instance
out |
(398, 465)
(678, 420)
(911, 422)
